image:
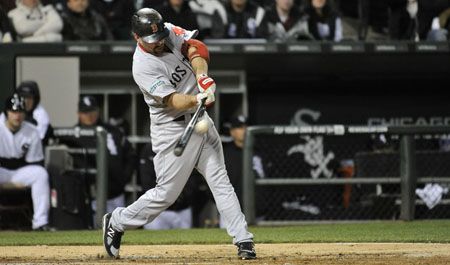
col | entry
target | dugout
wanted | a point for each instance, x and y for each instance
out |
(345, 82)
(308, 83)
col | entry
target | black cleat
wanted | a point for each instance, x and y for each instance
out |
(246, 250)
(111, 237)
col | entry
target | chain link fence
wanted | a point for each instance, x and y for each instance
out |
(341, 173)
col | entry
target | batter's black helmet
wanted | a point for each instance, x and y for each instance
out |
(148, 24)
(14, 103)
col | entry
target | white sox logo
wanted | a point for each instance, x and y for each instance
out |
(25, 147)
(314, 156)
(312, 149)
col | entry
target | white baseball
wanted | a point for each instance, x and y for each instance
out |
(202, 126)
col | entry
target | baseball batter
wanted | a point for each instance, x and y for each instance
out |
(21, 159)
(170, 68)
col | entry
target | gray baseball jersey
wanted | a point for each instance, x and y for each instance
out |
(158, 77)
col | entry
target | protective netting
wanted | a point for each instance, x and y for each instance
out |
(368, 166)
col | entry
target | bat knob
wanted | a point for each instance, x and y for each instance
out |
(178, 151)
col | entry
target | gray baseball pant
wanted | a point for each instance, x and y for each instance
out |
(203, 152)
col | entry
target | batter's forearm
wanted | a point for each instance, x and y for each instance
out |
(200, 66)
(181, 101)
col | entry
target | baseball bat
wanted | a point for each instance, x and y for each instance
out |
(184, 139)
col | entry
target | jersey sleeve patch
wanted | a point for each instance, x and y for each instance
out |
(155, 85)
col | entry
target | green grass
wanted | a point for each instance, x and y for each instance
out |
(418, 231)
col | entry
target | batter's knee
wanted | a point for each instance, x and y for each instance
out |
(163, 195)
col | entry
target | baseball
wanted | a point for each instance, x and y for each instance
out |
(202, 126)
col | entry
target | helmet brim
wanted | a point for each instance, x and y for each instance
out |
(153, 38)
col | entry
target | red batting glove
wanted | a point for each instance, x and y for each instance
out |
(205, 82)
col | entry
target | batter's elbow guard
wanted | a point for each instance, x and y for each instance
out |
(201, 50)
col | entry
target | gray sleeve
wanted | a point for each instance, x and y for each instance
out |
(154, 84)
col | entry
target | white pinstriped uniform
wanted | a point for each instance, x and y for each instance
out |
(158, 77)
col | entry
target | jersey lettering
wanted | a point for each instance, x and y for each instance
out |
(178, 75)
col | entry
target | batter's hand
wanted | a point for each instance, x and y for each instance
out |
(206, 83)
(210, 98)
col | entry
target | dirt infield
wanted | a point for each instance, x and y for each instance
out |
(344, 253)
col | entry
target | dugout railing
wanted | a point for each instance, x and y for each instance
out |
(406, 180)
(58, 159)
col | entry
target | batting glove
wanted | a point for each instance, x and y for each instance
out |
(206, 83)
(210, 98)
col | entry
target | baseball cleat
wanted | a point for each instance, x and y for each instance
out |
(246, 250)
(111, 237)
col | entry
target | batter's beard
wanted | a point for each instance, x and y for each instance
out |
(159, 50)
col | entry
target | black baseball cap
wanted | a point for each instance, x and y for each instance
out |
(28, 89)
(87, 104)
(14, 103)
(238, 121)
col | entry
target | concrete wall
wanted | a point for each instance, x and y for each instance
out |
(58, 80)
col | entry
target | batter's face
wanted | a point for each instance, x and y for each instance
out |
(78, 6)
(156, 48)
(88, 118)
(15, 119)
(29, 102)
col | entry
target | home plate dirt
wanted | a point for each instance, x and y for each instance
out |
(311, 254)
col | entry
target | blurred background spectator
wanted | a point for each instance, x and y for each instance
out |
(403, 23)
(117, 14)
(244, 20)
(6, 32)
(35, 112)
(428, 10)
(205, 10)
(324, 22)
(178, 13)
(286, 23)
(34, 22)
(440, 27)
(81, 22)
